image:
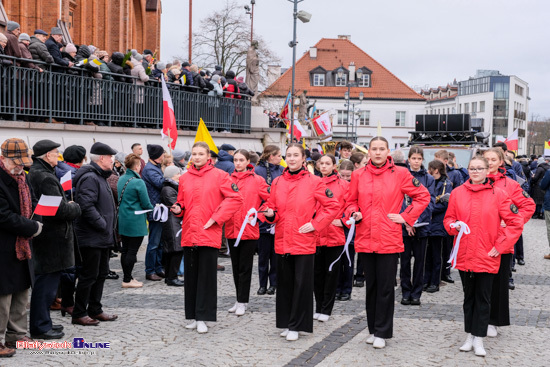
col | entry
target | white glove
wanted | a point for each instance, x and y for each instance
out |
(39, 229)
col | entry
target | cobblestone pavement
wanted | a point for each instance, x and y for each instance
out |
(150, 329)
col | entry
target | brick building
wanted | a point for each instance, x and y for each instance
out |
(112, 25)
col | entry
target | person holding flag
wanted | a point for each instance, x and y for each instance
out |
(53, 250)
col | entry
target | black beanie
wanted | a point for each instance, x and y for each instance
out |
(154, 151)
(74, 154)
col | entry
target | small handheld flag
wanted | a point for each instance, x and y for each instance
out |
(66, 181)
(48, 205)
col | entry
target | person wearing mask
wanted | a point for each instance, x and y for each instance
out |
(379, 239)
(295, 196)
(254, 191)
(132, 227)
(437, 234)
(330, 243)
(207, 198)
(482, 207)
(269, 168)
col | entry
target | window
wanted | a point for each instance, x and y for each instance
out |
(342, 82)
(460, 108)
(364, 118)
(342, 117)
(364, 81)
(400, 118)
(482, 106)
(519, 90)
(466, 108)
(318, 80)
(474, 107)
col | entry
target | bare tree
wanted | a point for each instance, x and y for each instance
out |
(538, 132)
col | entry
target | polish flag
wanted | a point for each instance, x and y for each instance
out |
(169, 126)
(48, 205)
(299, 130)
(512, 141)
(66, 181)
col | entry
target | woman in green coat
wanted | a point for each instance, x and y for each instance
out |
(132, 196)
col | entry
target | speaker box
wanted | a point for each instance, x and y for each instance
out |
(431, 123)
(458, 122)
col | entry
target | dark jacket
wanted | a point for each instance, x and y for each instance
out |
(62, 168)
(537, 191)
(428, 182)
(262, 169)
(26, 54)
(53, 249)
(115, 66)
(225, 162)
(12, 47)
(84, 53)
(198, 81)
(188, 76)
(243, 88)
(54, 49)
(545, 185)
(154, 178)
(96, 226)
(454, 176)
(15, 274)
(436, 228)
(39, 51)
(170, 228)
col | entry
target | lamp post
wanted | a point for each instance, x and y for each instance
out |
(347, 96)
(361, 96)
(250, 11)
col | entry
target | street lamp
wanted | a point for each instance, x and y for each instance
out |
(361, 96)
(250, 11)
(340, 74)
(304, 18)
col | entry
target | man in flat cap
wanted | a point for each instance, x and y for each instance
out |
(53, 250)
(17, 203)
(38, 48)
(12, 33)
(95, 231)
(54, 47)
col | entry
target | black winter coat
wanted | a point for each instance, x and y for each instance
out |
(115, 66)
(54, 50)
(53, 249)
(96, 226)
(168, 196)
(537, 192)
(15, 275)
(436, 227)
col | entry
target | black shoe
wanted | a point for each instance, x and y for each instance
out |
(521, 262)
(359, 283)
(57, 327)
(424, 287)
(405, 301)
(415, 302)
(447, 279)
(338, 296)
(511, 286)
(50, 334)
(345, 297)
(271, 290)
(432, 289)
(261, 291)
(112, 275)
(513, 269)
(224, 254)
(221, 268)
(175, 282)
(161, 274)
(112, 254)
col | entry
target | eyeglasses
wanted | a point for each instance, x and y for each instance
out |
(477, 169)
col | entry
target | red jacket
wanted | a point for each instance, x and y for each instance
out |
(254, 190)
(333, 236)
(203, 194)
(482, 207)
(295, 197)
(377, 192)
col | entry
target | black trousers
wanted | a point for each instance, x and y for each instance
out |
(432, 267)
(201, 286)
(518, 250)
(267, 260)
(172, 262)
(128, 255)
(345, 281)
(67, 284)
(294, 297)
(380, 271)
(414, 247)
(89, 289)
(42, 296)
(447, 249)
(477, 301)
(360, 270)
(500, 302)
(325, 281)
(242, 261)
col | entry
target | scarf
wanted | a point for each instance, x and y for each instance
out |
(22, 244)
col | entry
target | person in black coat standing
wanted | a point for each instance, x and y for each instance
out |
(95, 231)
(53, 250)
(16, 230)
(54, 47)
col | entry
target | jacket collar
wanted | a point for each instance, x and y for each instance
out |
(379, 170)
(296, 176)
(242, 175)
(334, 176)
(100, 171)
(501, 173)
(487, 185)
(41, 165)
(132, 173)
(201, 171)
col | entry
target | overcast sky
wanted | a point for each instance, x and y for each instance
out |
(423, 42)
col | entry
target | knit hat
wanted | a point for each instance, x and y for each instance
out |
(216, 78)
(56, 30)
(120, 157)
(161, 65)
(70, 48)
(74, 154)
(12, 26)
(218, 67)
(134, 52)
(24, 37)
(230, 74)
(178, 154)
(102, 149)
(154, 151)
(171, 171)
(92, 48)
(138, 57)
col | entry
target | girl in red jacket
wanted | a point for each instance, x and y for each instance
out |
(375, 196)
(206, 198)
(330, 243)
(254, 190)
(295, 195)
(481, 207)
(500, 304)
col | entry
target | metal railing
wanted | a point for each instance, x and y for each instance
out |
(73, 95)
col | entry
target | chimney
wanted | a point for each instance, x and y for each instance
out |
(313, 53)
(352, 71)
(344, 37)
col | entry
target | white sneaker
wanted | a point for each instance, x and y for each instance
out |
(201, 327)
(379, 343)
(492, 331)
(292, 336)
(323, 318)
(192, 325)
(370, 339)
(468, 344)
(478, 347)
(316, 316)
(241, 309)
(234, 308)
(284, 333)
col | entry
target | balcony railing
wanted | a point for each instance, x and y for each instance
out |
(78, 98)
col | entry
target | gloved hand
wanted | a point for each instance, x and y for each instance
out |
(40, 225)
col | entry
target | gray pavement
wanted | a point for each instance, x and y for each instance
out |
(150, 329)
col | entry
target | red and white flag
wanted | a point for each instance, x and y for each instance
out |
(169, 126)
(48, 205)
(322, 125)
(66, 181)
(299, 130)
(512, 141)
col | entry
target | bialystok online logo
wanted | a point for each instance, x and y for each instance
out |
(78, 343)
